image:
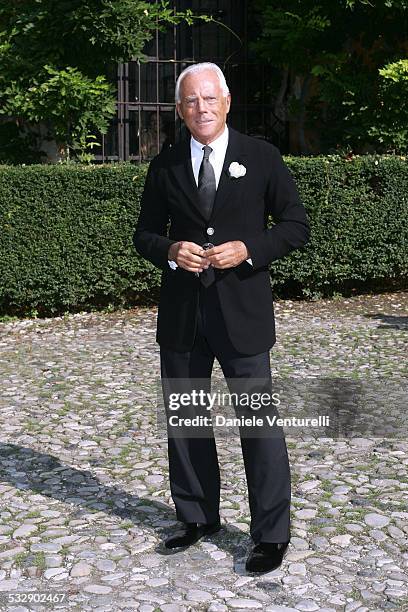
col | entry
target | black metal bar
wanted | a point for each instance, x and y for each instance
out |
(125, 118)
(231, 15)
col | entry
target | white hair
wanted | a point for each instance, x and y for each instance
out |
(200, 68)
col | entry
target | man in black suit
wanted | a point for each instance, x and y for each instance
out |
(217, 190)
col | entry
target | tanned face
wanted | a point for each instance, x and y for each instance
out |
(203, 105)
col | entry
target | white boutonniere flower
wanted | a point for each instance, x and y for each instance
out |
(236, 170)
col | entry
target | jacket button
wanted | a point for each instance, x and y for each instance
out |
(210, 231)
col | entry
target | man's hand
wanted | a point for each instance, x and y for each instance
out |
(188, 255)
(227, 255)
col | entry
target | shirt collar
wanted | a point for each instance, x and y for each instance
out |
(218, 145)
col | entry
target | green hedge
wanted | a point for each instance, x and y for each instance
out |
(358, 213)
(66, 233)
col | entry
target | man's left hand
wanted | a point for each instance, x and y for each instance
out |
(227, 255)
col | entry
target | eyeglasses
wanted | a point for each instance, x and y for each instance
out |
(206, 246)
(191, 103)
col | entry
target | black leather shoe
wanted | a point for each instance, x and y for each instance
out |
(266, 556)
(191, 533)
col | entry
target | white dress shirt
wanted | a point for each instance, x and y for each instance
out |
(217, 155)
(216, 158)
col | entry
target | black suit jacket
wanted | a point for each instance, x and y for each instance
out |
(170, 212)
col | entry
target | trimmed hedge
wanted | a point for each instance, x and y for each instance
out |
(66, 233)
(358, 213)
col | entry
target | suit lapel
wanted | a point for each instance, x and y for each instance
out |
(226, 185)
(183, 171)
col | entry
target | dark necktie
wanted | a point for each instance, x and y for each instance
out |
(206, 184)
(206, 192)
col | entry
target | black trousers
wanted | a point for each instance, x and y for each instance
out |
(193, 462)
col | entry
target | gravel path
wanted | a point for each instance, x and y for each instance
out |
(84, 498)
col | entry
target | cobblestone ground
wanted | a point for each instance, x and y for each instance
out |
(84, 492)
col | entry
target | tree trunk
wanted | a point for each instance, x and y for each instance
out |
(304, 149)
(280, 109)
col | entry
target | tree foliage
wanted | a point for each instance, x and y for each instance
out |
(340, 56)
(55, 56)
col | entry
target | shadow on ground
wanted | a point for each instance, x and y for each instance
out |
(389, 321)
(28, 469)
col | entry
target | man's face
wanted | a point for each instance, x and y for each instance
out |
(203, 106)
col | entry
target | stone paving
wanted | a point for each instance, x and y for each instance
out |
(84, 492)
